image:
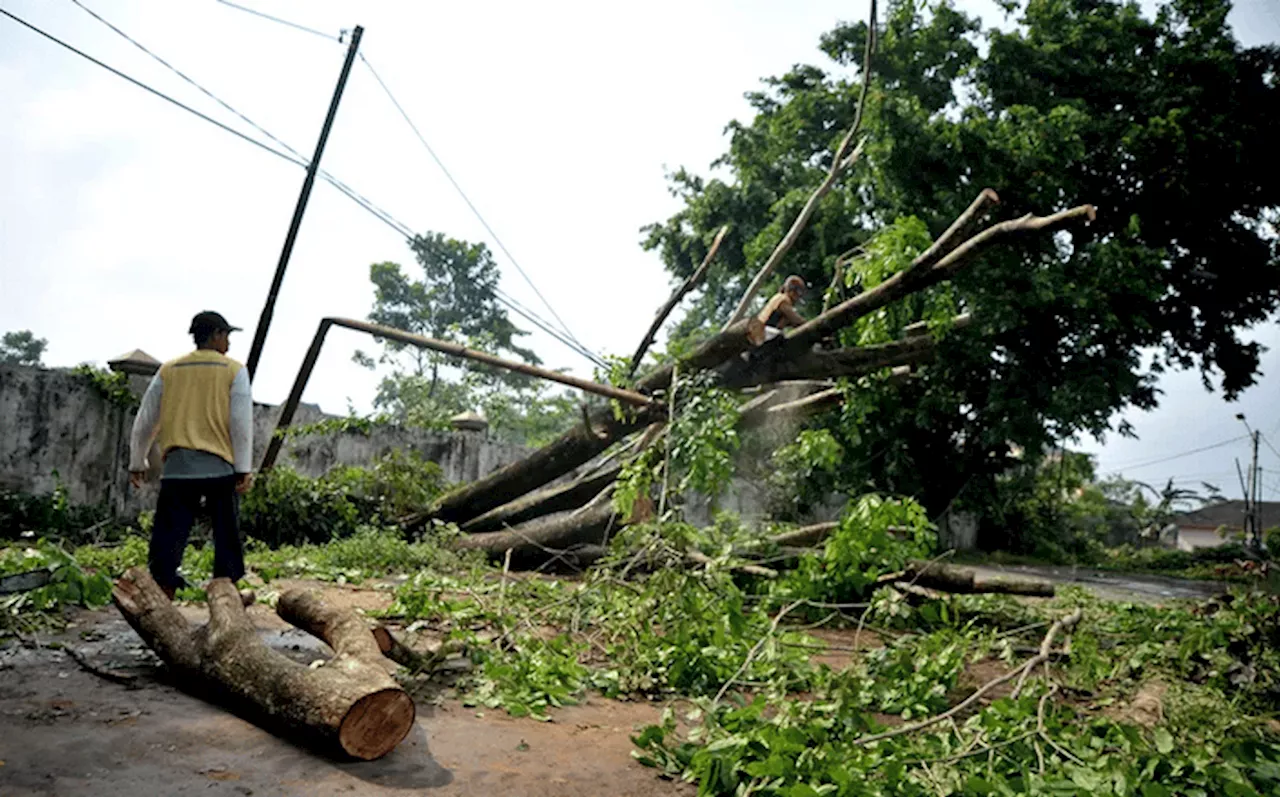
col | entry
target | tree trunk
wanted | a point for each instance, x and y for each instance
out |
(953, 578)
(577, 446)
(543, 502)
(548, 536)
(350, 705)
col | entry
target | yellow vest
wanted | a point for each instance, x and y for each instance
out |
(195, 404)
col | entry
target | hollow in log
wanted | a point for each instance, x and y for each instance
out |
(350, 705)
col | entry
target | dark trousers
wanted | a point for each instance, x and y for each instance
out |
(176, 510)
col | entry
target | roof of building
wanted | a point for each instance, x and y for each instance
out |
(1226, 513)
(136, 361)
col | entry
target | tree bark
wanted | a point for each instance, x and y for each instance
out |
(350, 705)
(576, 447)
(953, 578)
(560, 498)
(549, 535)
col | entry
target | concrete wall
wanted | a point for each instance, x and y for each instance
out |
(54, 426)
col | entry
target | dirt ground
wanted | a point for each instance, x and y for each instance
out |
(69, 732)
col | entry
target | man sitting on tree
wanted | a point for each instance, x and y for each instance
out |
(780, 312)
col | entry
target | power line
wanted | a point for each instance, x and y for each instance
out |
(156, 92)
(1181, 455)
(1268, 442)
(342, 187)
(480, 217)
(448, 175)
(295, 25)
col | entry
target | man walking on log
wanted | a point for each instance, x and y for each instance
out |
(780, 311)
(202, 408)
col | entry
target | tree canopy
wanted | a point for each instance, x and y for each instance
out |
(1165, 123)
(22, 348)
(456, 300)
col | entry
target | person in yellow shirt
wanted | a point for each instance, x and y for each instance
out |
(780, 311)
(201, 408)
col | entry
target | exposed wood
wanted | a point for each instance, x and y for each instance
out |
(559, 498)
(350, 705)
(688, 285)
(840, 163)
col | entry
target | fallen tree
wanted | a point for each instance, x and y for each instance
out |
(349, 706)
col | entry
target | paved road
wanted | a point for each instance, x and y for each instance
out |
(1114, 585)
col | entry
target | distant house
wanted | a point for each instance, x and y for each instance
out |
(1218, 524)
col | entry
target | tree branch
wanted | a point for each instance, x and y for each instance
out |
(688, 285)
(839, 165)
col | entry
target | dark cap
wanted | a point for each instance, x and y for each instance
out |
(211, 322)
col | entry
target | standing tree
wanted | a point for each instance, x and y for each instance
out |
(22, 348)
(456, 300)
(1165, 122)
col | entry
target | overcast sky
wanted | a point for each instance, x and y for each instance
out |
(122, 216)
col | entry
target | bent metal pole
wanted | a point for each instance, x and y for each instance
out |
(399, 335)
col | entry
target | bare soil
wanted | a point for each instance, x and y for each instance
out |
(68, 732)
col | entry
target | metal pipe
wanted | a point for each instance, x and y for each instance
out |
(268, 310)
(399, 335)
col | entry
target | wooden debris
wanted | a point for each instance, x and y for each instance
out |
(350, 705)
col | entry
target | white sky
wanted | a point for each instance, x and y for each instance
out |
(121, 216)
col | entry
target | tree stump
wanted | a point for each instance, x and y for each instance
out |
(350, 705)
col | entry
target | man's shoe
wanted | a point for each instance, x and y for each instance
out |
(248, 597)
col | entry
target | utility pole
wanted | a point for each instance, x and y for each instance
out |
(1253, 493)
(1255, 539)
(268, 310)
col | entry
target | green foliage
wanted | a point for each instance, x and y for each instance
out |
(703, 436)
(876, 535)
(283, 506)
(22, 348)
(51, 515)
(69, 585)
(112, 386)
(804, 470)
(1077, 101)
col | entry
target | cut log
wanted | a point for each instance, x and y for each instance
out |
(543, 502)
(954, 578)
(350, 705)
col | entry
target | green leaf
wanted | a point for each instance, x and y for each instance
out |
(1164, 741)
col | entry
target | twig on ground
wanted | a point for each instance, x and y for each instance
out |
(755, 650)
(1064, 623)
(104, 673)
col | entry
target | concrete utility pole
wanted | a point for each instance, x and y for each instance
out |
(268, 310)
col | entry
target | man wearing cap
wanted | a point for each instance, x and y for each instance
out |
(780, 311)
(202, 409)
